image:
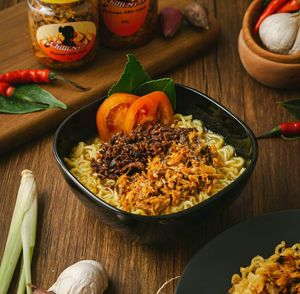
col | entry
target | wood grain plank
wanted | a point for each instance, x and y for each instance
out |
(157, 57)
(68, 231)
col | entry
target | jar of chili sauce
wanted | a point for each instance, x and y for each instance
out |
(63, 32)
(127, 23)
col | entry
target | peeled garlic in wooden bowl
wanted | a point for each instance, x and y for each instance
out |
(280, 33)
(269, 68)
(296, 46)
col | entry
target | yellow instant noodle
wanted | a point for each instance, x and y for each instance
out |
(81, 156)
(280, 273)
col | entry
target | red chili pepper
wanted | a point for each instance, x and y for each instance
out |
(37, 76)
(6, 89)
(291, 129)
(290, 6)
(272, 7)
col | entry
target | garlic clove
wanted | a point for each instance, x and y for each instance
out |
(278, 31)
(296, 46)
(83, 277)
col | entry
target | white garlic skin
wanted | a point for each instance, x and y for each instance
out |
(83, 277)
(278, 32)
(296, 46)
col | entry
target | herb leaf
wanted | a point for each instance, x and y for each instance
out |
(18, 106)
(165, 85)
(37, 95)
(266, 3)
(292, 106)
(132, 77)
(29, 98)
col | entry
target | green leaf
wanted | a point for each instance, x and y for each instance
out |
(292, 106)
(29, 98)
(132, 77)
(18, 106)
(135, 80)
(266, 3)
(36, 94)
(165, 85)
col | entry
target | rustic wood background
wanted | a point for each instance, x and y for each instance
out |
(68, 232)
(158, 56)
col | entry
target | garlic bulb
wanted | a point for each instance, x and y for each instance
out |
(83, 277)
(278, 32)
(296, 46)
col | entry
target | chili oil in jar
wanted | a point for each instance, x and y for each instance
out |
(127, 23)
(63, 32)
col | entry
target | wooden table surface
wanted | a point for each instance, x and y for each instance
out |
(68, 232)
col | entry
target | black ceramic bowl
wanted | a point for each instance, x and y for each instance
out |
(152, 229)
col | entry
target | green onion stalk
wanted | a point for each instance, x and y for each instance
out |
(21, 236)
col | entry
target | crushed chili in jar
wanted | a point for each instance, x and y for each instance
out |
(127, 23)
(63, 32)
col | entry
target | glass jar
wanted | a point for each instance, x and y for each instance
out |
(127, 23)
(63, 32)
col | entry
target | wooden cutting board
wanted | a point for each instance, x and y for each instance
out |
(157, 57)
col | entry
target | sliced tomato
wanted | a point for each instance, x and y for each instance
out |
(155, 107)
(111, 114)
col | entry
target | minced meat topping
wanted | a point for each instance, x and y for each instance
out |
(158, 167)
(129, 153)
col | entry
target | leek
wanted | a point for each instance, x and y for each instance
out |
(21, 235)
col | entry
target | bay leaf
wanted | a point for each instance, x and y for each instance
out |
(37, 95)
(165, 85)
(292, 106)
(132, 77)
(15, 105)
(29, 98)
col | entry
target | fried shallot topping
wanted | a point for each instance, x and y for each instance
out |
(188, 171)
(129, 153)
(280, 273)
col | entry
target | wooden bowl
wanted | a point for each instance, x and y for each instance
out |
(271, 69)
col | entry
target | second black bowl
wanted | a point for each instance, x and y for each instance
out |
(81, 126)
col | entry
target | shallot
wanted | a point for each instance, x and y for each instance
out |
(196, 15)
(171, 20)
